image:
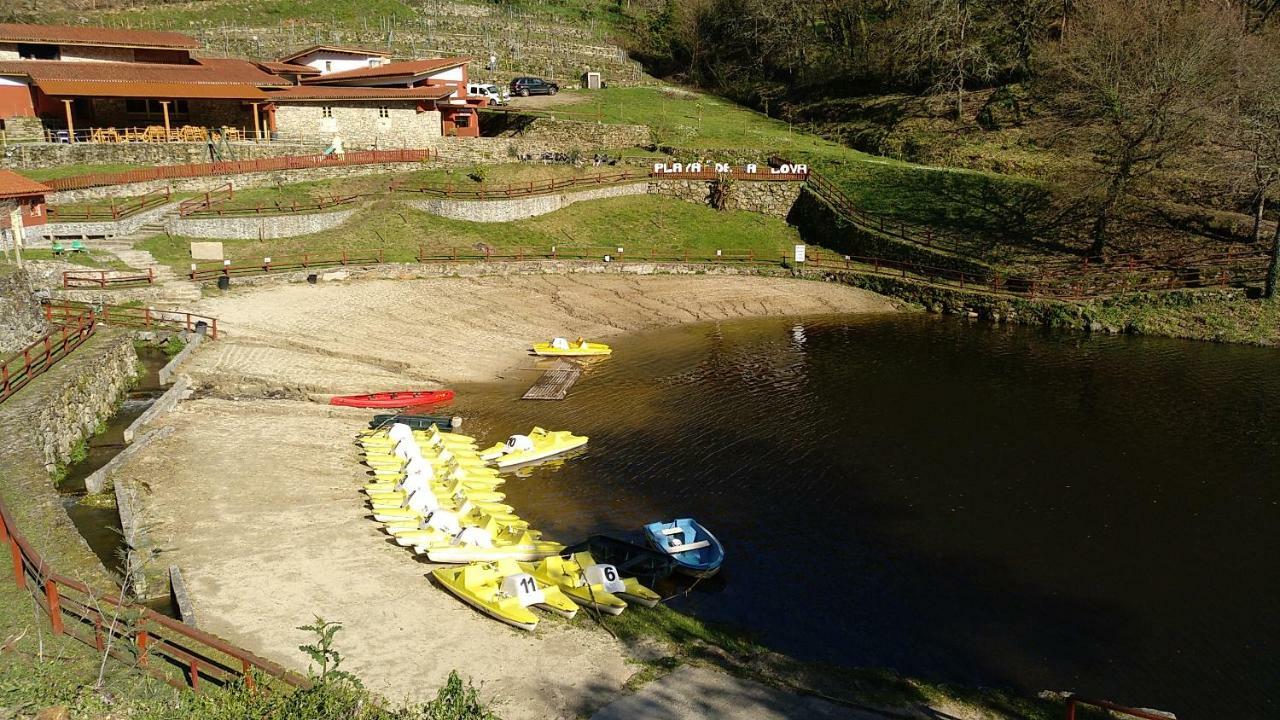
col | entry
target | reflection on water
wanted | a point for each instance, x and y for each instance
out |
(964, 502)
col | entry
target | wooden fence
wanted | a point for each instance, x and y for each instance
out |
(289, 162)
(289, 263)
(165, 648)
(113, 210)
(135, 317)
(103, 279)
(37, 358)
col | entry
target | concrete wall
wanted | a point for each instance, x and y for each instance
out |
(520, 208)
(21, 320)
(360, 125)
(266, 228)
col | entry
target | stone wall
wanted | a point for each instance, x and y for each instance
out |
(73, 411)
(101, 228)
(574, 133)
(240, 180)
(520, 208)
(21, 320)
(360, 125)
(271, 227)
(766, 198)
(48, 155)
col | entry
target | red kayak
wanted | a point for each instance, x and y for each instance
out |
(407, 398)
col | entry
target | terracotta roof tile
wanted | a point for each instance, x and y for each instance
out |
(211, 91)
(312, 92)
(284, 67)
(82, 35)
(217, 71)
(14, 185)
(334, 48)
(410, 68)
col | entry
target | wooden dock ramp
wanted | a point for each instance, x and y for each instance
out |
(555, 383)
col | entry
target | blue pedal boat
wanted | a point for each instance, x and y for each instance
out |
(696, 551)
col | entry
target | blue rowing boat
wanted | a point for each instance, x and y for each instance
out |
(696, 551)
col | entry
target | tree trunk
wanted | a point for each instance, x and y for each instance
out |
(1273, 270)
(1259, 207)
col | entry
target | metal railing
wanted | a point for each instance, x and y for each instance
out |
(113, 210)
(130, 632)
(287, 162)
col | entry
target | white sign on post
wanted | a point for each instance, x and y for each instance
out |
(606, 575)
(800, 253)
(524, 589)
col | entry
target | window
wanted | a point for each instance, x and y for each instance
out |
(373, 62)
(328, 66)
(38, 52)
(326, 111)
(384, 112)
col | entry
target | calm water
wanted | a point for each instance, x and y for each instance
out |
(962, 502)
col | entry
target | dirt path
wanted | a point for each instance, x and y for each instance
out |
(383, 334)
(258, 503)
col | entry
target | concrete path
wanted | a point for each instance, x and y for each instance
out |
(691, 693)
(173, 289)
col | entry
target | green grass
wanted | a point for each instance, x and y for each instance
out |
(636, 223)
(72, 170)
(90, 259)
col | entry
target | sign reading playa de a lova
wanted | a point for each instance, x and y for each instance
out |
(723, 168)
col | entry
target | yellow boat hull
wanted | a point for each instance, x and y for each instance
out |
(574, 350)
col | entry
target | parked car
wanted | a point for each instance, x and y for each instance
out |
(487, 90)
(526, 86)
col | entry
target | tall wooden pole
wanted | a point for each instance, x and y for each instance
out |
(164, 107)
(71, 127)
(257, 128)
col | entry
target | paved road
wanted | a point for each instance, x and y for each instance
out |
(698, 694)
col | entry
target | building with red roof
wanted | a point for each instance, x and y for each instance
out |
(26, 195)
(91, 84)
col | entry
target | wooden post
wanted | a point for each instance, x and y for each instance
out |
(164, 107)
(71, 126)
(257, 127)
(19, 577)
(143, 639)
(55, 605)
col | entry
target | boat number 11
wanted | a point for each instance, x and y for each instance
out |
(527, 584)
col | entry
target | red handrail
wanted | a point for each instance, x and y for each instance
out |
(138, 633)
(138, 317)
(37, 358)
(102, 279)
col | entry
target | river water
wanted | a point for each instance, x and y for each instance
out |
(958, 501)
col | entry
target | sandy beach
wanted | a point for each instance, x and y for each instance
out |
(256, 495)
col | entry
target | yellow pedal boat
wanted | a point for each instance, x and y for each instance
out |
(501, 591)
(539, 444)
(560, 347)
(568, 574)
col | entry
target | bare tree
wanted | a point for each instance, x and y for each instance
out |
(1137, 82)
(944, 42)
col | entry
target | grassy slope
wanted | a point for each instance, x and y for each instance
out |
(636, 223)
(70, 170)
(249, 13)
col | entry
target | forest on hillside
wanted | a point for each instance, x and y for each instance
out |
(1162, 116)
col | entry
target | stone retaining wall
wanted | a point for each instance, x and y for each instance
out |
(72, 412)
(21, 319)
(48, 155)
(490, 211)
(270, 227)
(578, 133)
(766, 198)
(238, 181)
(103, 228)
